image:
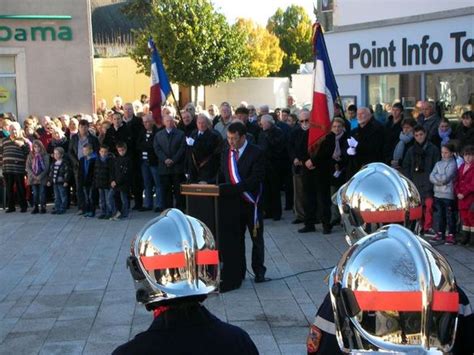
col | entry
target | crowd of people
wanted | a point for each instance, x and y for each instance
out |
(102, 161)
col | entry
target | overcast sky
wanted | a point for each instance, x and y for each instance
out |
(258, 10)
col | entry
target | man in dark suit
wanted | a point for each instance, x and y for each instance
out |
(203, 153)
(170, 147)
(250, 164)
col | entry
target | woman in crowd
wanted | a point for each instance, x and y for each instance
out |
(37, 168)
(329, 164)
(59, 139)
(405, 142)
(444, 135)
(465, 130)
(13, 152)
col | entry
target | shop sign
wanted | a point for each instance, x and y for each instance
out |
(35, 33)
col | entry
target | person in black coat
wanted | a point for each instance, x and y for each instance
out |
(86, 178)
(203, 152)
(251, 169)
(369, 136)
(330, 167)
(118, 132)
(444, 134)
(74, 153)
(135, 128)
(104, 169)
(149, 164)
(187, 124)
(298, 153)
(464, 133)
(393, 127)
(121, 178)
(272, 142)
(170, 147)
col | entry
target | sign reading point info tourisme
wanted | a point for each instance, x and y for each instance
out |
(431, 45)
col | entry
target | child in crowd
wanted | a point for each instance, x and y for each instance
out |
(418, 163)
(86, 178)
(59, 175)
(104, 168)
(37, 168)
(121, 179)
(443, 177)
(464, 188)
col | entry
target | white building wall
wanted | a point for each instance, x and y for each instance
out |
(255, 91)
(350, 12)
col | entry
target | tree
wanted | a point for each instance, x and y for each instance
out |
(196, 44)
(263, 48)
(293, 28)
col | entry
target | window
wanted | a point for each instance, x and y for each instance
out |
(387, 89)
(8, 85)
(453, 91)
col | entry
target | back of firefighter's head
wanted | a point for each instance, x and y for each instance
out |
(173, 259)
(377, 195)
(392, 291)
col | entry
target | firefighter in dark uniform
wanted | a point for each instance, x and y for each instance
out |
(174, 263)
(389, 283)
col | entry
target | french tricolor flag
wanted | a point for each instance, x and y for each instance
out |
(160, 85)
(325, 92)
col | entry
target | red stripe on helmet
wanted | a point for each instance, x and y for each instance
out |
(177, 260)
(405, 301)
(389, 216)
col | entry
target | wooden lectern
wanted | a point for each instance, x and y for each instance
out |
(220, 212)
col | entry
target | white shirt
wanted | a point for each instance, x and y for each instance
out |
(242, 149)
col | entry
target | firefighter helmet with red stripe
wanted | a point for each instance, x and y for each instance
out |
(392, 291)
(173, 256)
(377, 195)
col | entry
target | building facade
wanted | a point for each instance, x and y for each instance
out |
(46, 57)
(404, 51)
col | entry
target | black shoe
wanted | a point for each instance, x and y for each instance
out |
(10, 210)
(277, 218)
(144, 209)
(35, 210)
(327, 229)
(158, 209)
(43, 210)
(296, 221)
(23, 209)
(288, 208)
(261, 278)
(307, 229)
(136, 208)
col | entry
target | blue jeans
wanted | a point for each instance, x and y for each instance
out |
(60, 198)
(151, 179)
(445, 213)
(39, 195)
(106, 202)
(125, 203)
(88, 199)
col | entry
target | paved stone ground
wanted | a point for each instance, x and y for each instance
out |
(64, 287)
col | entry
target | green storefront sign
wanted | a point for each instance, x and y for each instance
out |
(35, 33)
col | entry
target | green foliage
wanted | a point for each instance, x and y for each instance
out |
(293, 28)
(196, 44)
(263, 48)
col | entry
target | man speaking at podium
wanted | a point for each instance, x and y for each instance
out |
(243, 166)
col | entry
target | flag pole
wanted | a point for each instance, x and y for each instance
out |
(176, 104)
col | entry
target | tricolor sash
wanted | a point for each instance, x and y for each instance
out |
(247, 196)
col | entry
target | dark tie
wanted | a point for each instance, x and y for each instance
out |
(236, 154)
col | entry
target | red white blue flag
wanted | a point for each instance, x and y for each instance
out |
(160, 85)
(325, 92)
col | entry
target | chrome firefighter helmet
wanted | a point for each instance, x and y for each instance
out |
(173, 256)
(392, 291)
(375, 196)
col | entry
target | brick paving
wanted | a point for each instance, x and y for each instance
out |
(64, 287)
